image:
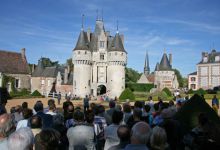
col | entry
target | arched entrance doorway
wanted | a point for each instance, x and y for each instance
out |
(101, 90)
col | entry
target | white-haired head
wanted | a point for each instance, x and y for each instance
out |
(22, 139)
(158, 139)
(140, 133)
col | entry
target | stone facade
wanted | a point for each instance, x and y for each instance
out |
(47, 80)
(163, 76)
(208, 70)
(99, 63)
(193, 81)
(15, 65)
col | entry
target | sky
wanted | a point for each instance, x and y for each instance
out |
(50, 28)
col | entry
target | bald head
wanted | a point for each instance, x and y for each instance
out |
(124, 133)
(140, 133)
(6, 125)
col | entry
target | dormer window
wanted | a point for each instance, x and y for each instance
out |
(217, 58)
(102, 44)
(205, 59)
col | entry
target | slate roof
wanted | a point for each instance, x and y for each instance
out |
(51, 72)
(82, 43)
(113, 43)
(165, 63)
(157, 67)
(13, 63)
(211, 57)
(117, 44)
(194, 73)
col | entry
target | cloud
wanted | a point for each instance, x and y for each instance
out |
(205, 27)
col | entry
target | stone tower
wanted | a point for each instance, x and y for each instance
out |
(99, 63)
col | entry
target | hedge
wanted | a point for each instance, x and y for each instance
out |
(127, 94)
(167, 91)
(140, 87)
(36, 93)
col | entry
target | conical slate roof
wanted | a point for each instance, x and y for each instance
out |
(165, 63)
(82, 43)
(157, 67)
(117, 44)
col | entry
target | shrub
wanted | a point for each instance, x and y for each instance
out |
(190, 91)
(167, 91)
(36, 93)
(200, 92)
(140, 87)
(160, 94)
(127, 94)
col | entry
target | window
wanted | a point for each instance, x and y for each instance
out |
(42, 82)
(85, 52)
(102, 57)
(217, 58)
(102, 44)
(78, 52)
(193, 79)
(48, 83)
(115, 53)
(16, 83)
(89, 83)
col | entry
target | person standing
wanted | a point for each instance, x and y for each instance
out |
(215, 104)
(59, 98)
(86, 103)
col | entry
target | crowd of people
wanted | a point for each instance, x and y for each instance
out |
(144, 126)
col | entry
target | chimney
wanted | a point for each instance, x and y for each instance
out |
(33, 68)
(88, 34)
(65, 75)
(170, 59)
(23, 53)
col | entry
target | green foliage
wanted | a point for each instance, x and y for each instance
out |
(127, 94)
(8, 79)
(188, 114)
(48, 63)
(190, 91)
(22, 93)
(179, 78)
(131, 75)
(70, 63)
(36, 93)
(167, 91)
(160, 94)
(199, 91)
(140, 87)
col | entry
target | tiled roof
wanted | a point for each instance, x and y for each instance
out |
(13, 62)
(165, 63)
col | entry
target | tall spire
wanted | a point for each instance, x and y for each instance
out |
(146, 65)
(82, 27)
(117, 27)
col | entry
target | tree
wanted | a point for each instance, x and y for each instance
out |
(179, 77)
(70, 64)
(48, 63)
(131, 75)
